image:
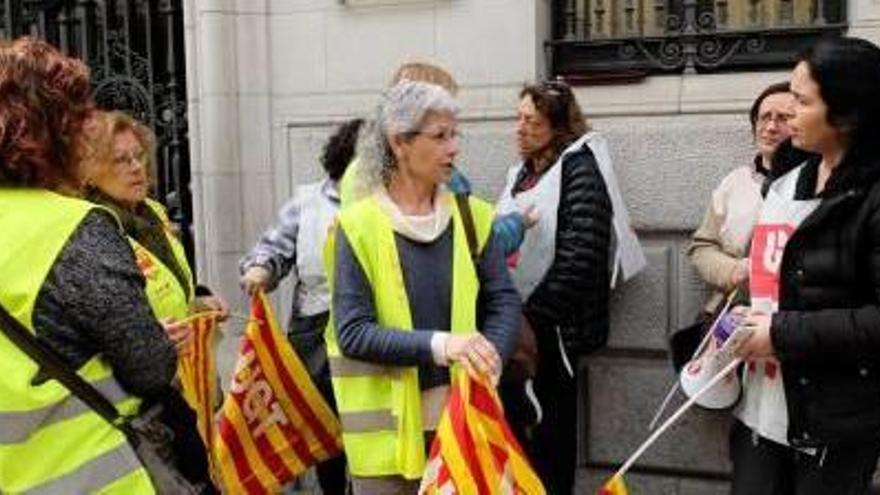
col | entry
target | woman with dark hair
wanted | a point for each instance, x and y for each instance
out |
(809, 422)
(294, 246)
(70, 278)
(718, 249)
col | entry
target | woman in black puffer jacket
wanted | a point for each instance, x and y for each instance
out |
(825, 334)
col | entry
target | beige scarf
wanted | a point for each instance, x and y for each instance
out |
(419, 228)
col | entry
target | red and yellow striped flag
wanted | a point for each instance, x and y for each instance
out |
(614, 486)
(198, 377)
(474, 451)
(274, 424)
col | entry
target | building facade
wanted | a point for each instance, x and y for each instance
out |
(268, 79)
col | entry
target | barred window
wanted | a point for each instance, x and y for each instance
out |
(606, 40)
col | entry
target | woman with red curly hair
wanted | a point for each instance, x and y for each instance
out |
(70, 278)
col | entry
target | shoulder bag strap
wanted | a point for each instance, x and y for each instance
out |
(467, 219)
(59, 370)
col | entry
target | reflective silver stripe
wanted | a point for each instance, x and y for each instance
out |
(345, 367)
(94, 474)
(364, 421)
(17, 426)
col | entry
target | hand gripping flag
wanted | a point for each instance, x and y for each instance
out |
(274, 423)
(198, 377)
(474, 451)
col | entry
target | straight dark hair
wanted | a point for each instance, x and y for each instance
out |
(847, 71)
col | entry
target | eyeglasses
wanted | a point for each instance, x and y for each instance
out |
(130, 159)
(778, 118)
(440, 136)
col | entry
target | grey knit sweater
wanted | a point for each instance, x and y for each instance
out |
(93, 302)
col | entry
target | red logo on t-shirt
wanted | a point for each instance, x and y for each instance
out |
(768, 244)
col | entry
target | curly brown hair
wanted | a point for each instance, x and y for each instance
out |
(556, 101)
(44, 100)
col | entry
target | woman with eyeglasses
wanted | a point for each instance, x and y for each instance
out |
(117, 169)
(118, 176)
(809, 422)
(405, 290)
(719, 247)
(70, 280)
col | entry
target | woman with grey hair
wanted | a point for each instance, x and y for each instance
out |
(408, 267)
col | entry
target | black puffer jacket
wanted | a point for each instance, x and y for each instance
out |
(827, 331)
(574, 293)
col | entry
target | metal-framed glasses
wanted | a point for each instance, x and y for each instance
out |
(440, 136)
(130, 159)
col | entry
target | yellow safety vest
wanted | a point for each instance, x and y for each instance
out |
(167, 297)
(50, 442)
(380, 405)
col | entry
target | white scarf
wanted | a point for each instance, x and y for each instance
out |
(537, 252)
(419, 228)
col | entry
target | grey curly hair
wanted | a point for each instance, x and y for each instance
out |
(401, 110)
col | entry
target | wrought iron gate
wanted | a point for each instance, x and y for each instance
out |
(136, 54)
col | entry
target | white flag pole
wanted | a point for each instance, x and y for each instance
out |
(696, 353)
(672, 419)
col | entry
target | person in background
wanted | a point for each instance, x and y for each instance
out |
(809, 419)
(719, 247)
(120, 174)
(70, 278)
(405, 289)
(295, 246)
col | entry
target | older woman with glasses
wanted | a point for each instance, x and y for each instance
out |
(69, 278)
(118, 176)
(405, 287)
(719, 246)
(117, 168)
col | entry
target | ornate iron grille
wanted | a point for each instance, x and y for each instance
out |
(136, 54)
(612, 39)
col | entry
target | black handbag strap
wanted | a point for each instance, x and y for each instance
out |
(59, 370)
(467, 219)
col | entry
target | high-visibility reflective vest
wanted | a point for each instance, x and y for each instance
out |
(379, 406)
(50, 442)
(167, 297)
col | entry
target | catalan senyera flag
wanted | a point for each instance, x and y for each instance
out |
(198, 377)
(614, 486)
(474, 451)
(274, 424)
